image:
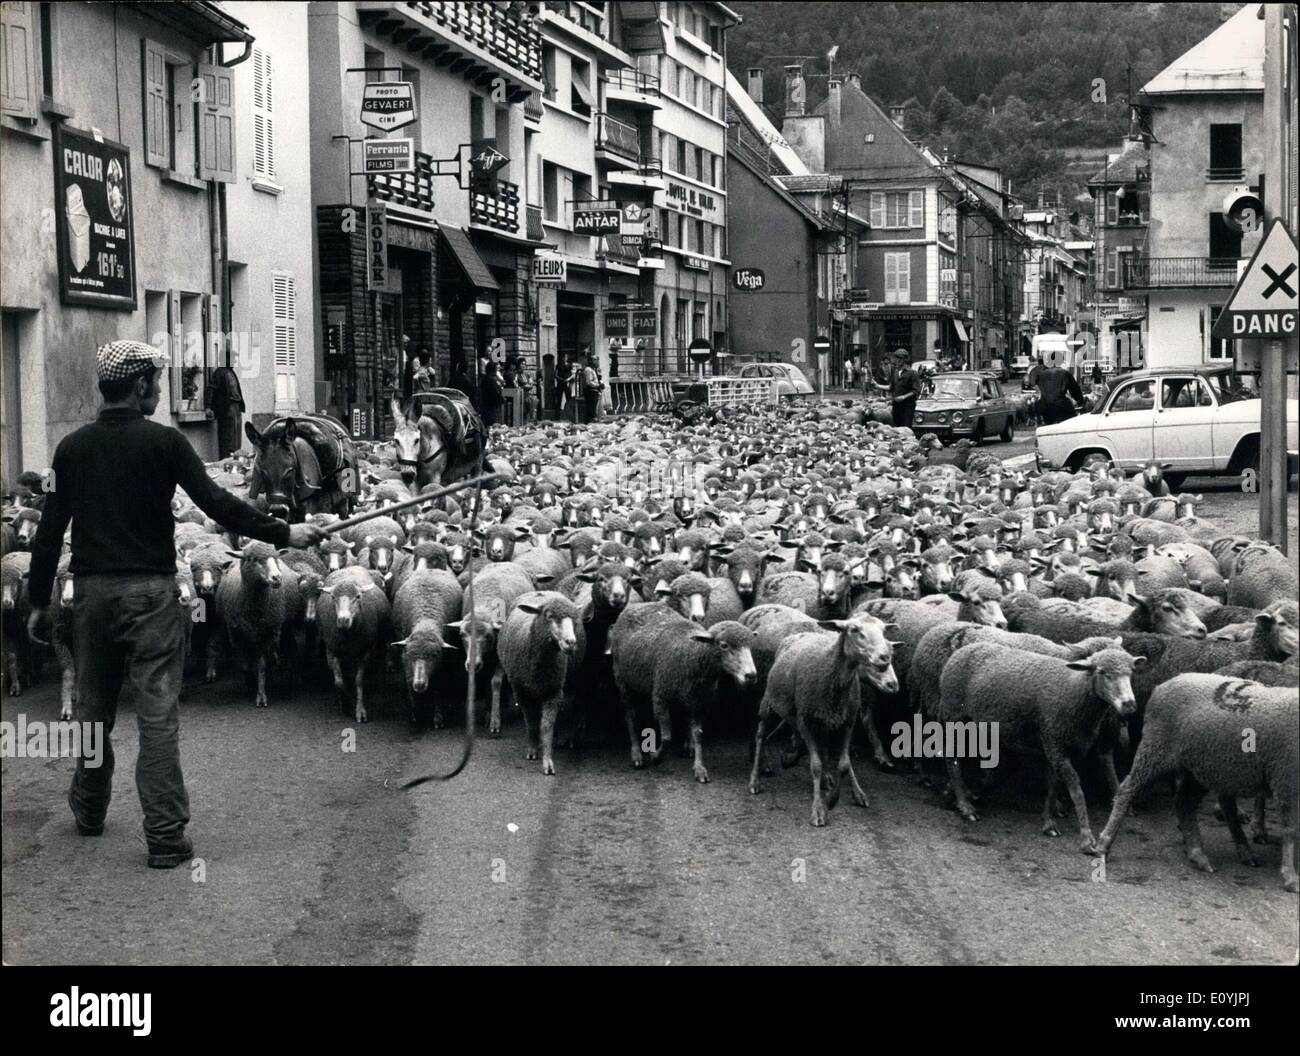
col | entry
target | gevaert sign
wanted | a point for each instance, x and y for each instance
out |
(388, 105)
(387, 155)
(1264, 301)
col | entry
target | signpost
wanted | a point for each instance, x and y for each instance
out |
(594, 218)
(387, 155)
(550, 269)
(388, 105)
(376, 246)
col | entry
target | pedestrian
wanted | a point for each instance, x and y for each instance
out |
(460, 379)
(562, 371)
(1097, 376)
(116, 480)
(424, 379)
(226, 401)
(491, 398)
(592, 387)
(613, 363)
(573, 402)
(904, 387)
(1058, 393)
(848, 372)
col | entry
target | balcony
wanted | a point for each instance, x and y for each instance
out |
(535, 232)
(413, 189)
(588, 24)
(498, 209)
(632, 88)
(646, 174)
(1171, 273)
(478, 41)
(616, 141)
(612, 251)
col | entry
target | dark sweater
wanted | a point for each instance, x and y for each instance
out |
(115, 479)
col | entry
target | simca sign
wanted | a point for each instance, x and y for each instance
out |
(635, 219)
(387, 106)
(748, 279)
(550, 269)
(96, 228)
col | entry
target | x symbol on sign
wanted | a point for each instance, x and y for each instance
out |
(1279, 281)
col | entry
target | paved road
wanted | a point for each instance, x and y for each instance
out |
(310, 854)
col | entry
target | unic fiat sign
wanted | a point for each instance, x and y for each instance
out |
(748, 278)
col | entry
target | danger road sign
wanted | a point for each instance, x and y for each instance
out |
(388, 105)
(1264, 302)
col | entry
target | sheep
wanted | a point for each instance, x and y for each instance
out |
(1165, 612)
(813, 686)
(499, 541)
(14, 569)
(670, 662)
(745, 565)
(1105, 610)
(1196, 725)
(1225, 550)
(798, 590)
(1269, 672)
(1199, 566)
(427, 602)
(352, 612)
(376, 527)
(545, 566)
(659, 577)
(1222, 616)
(1063, 702)
(1073, 586)
(603, 592)
(253, 602)
(541, 638)
(25, 522)
(1261, 575)
(1115, 579)
(496, 588)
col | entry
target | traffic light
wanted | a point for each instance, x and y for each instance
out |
(1243, 208)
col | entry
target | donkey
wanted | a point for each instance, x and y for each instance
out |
(439, 438)
(304, 465)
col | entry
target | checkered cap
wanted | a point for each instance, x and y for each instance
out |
(119, 360)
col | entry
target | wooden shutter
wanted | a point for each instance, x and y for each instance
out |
(877, 209)
(891, 278)
(285, 336)
(17, 73)
(157, 148)
(217, 125)
(214, 337)
(176, 330)
(1112, 269)
(916, 207)
(904, 279)
(1112, 208)
(263, 116)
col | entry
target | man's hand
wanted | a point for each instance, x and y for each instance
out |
(37, 623)
(304, 535)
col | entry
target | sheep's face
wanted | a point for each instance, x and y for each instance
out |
(612, 583)
(745, 569)
(1121, 586)
(901, 581)
(11, 589)
(1013, 580)
(309, 585)
(975, 607)
(936, 575)
(458, 556)
(1170, 614)
(478, 638)
(261, 568)
(560, 624)
(381, 549)
(336, 554)
(863, 640)
(650, 541)
(832, 584)
(1279, 622)
(67, 591)
(26, 529)
(1111, 671)
(499, 544)
(347, 604)
(421, 655)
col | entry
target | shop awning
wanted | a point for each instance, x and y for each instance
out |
(962, 336)
(471, 264)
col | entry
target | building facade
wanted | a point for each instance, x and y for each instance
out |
(1056, 277)
(1121, 194)
(115, 176)
(1209, 136)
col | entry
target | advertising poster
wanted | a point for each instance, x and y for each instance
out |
(96, 229)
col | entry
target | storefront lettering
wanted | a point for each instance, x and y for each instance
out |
(75, 163)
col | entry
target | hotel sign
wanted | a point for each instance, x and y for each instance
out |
(96, 227)
(694, 201)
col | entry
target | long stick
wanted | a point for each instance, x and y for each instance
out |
(415, 500)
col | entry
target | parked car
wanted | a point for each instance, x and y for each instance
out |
(790, 380)
(965, 403)
(1198, 419)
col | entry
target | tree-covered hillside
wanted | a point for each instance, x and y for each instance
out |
(1007, 84)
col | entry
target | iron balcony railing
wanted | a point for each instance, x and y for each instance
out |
(1153, 273)
(633, 81)
(495, 28)
(414, 189)
(499, 208)
(534, 231)
(533, 108)
(617, 137)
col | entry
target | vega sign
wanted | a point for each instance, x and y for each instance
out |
(748, 279)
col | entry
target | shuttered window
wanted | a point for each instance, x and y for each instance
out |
(216, 125)
(17, 78)
(898, 278)
(1112, 269)
(263, 116)
(916, 207)
(877, 209)
(285, 337)
(897, 209)
(157, 126)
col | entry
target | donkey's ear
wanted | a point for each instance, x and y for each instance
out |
(399, 416)
(290, 432)
(254, 437)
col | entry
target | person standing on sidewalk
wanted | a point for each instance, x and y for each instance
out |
(904, 388)
(114, 480)
(227, 404)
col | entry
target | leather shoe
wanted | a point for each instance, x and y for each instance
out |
(171, 854)
(82, 827)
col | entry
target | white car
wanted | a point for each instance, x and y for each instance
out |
(790, 380)
(1192, 420)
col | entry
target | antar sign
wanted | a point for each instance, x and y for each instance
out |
(749, 278)
(387, 106)
(597, 222)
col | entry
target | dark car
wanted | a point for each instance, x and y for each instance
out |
(965, 403)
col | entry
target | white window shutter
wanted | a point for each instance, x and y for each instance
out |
(916, 202)
(217, 125)
(157, 149)
(176, 327)
(904, 278)
(891, 277)
(263, 116)
(285, 326)
(17, 75)
(877, 209)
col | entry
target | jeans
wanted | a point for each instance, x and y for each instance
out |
(903, 413)
(128, 643)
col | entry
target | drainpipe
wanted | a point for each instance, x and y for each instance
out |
(217, 224)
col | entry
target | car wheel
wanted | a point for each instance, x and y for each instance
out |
(1175, 481)
(978, 435)
(1009, 430)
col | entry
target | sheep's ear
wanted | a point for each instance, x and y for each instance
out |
(450, 647)
(1265, 620)
(702, 635)
(235, 554)
(327, 590)
(832, 625)
(957, 596)
(530, 607)
(1082, 664)
(455, 625)
(1139, 661)
(1092, 572)
(541, 579)
(401, 644)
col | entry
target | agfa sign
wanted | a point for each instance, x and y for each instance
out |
(1264, 302)
(388, 105)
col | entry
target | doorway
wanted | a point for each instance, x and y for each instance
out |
(11, 423)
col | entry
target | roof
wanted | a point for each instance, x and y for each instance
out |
(1122, 167)
(757, 119)
(1231, 59)
(203, 21)
(1190, 368)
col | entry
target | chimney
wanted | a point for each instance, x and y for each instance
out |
(833, 101)
(898, 115)
(755, 87)
(794, 91)
(1040, 200)
(854, 80)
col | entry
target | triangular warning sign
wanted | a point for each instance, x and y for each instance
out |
(1264, 302)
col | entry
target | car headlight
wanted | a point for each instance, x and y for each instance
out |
(941, 419)
(957, 417)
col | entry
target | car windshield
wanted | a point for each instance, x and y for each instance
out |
(954, 388)
(1228, 388)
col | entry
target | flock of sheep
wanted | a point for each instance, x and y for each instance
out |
(809, 572)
